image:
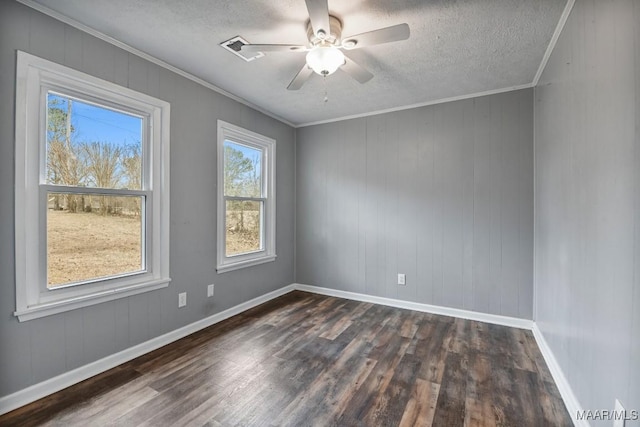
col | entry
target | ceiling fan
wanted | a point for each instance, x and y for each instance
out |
(324, 52)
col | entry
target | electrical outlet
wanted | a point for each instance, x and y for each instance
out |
(402, 280)
(182, 299)
(210, 290)
(620, 415)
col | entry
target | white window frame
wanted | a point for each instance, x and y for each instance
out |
(236, 134)
(35, 77)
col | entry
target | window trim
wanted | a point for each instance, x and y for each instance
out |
(34, 78)
(228, 131)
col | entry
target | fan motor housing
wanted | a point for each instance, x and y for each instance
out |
(335, 33)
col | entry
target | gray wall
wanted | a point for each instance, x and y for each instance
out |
(587, 177)
(442, 193)
(36, 350)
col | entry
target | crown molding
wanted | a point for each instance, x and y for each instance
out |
(72, 22)
(82, 27)
(554, 39)
(418, 105)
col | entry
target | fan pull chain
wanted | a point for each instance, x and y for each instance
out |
(324, 82)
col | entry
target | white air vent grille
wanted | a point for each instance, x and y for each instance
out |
(234, 46)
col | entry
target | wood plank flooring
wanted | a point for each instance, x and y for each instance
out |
(311, 360)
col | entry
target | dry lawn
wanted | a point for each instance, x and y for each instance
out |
(84, 246)
(243, 240)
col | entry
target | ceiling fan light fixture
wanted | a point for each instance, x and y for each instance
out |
(324, 50)
(324, 59)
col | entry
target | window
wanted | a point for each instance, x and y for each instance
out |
(92, 190)
(246, 198)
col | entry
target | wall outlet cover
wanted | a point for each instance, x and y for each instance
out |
(402, 279)
(182, 299)
(210, 290)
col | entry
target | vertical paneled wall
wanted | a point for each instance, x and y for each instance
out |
(587, 153)
(442, 193)
(34, 351)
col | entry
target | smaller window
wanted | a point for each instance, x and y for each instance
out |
(246, 198)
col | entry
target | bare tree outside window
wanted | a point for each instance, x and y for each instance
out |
(243, 189)
(92, 235)
(246, 198)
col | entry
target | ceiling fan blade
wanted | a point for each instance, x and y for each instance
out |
(355, 70)
(300, 78)
(319, 16)
(273, 48)
(383, 35)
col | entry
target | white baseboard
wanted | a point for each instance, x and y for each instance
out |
(570, 400)
(45, 388)
(427, 308)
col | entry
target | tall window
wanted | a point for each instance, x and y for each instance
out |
(91, 190)
(246, 199)
(92, 234)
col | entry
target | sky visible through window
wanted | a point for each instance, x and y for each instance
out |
(93, 123)
(248, 153)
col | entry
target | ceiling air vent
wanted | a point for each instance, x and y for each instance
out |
(235, 44)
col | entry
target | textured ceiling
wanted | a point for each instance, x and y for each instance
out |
(456, 48)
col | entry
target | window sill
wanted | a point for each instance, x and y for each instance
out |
(72, 303)
(245, 263)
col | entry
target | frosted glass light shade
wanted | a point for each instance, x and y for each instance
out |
(325, 60)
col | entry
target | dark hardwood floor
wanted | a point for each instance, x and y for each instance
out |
(306, 359)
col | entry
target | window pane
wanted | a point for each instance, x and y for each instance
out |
(243, 227)
(92, 146)
(90, 237)
(242, 170)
